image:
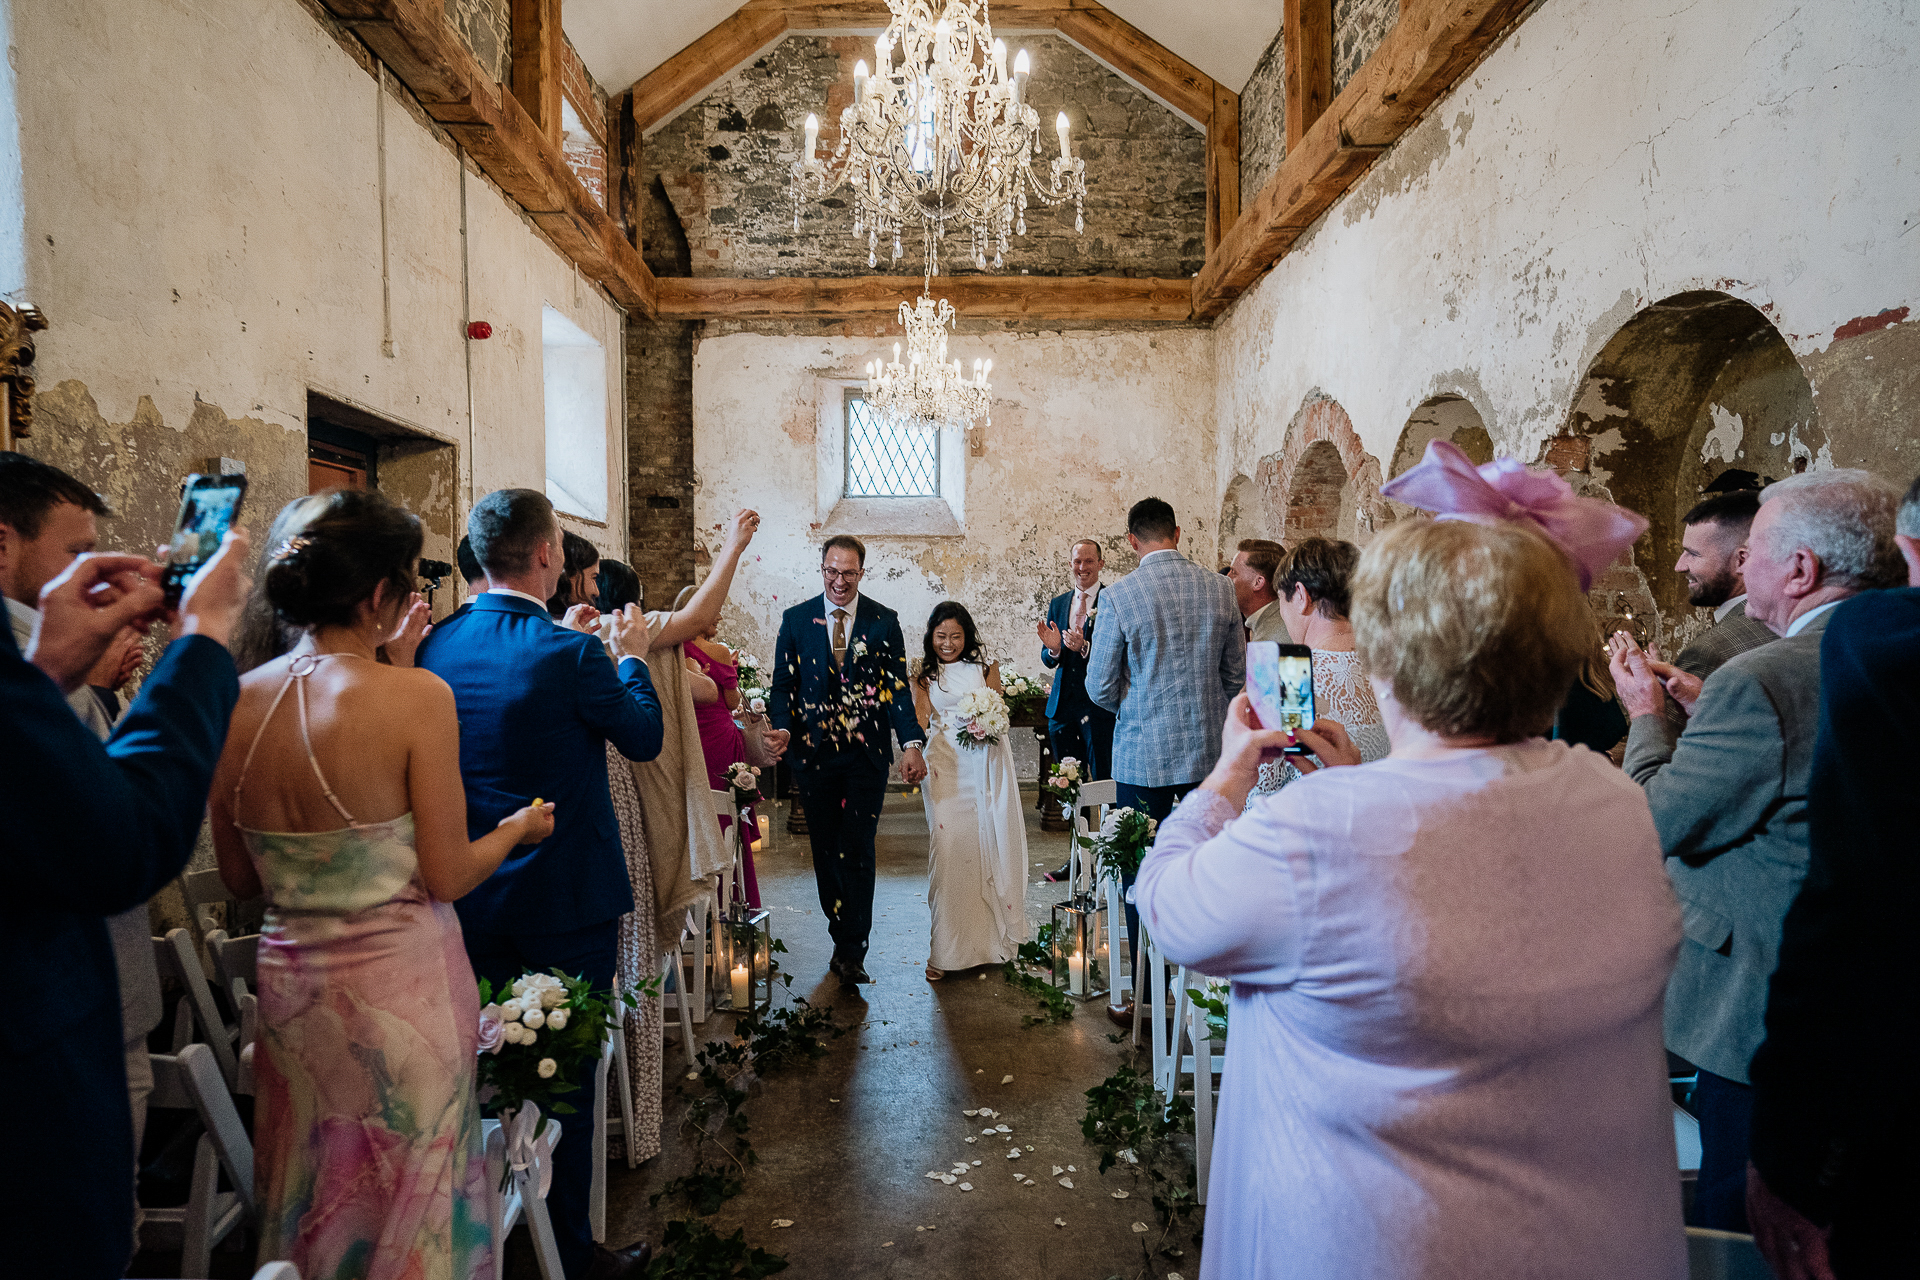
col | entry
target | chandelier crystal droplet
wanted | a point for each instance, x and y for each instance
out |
(941, 134)
(926, 393)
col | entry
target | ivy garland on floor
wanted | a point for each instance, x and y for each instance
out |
(717, 1122)
(1055, 1005)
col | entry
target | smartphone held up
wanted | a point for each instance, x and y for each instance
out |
(208, 507)
(1280, 687)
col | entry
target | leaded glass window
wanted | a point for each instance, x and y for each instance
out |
(888, 461)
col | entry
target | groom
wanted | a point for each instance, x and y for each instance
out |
(840, 688)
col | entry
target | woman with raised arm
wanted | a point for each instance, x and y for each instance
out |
(339, 797)
(1449, 965)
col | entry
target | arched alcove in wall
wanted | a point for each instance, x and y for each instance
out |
(1447, 417)
(1323, 483)
(1237, 518)
(1690, 387)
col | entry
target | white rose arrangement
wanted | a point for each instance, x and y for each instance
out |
(1024, 693)
(982, 716)
(542, 1039)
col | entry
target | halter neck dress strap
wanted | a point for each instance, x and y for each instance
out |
(297, 679)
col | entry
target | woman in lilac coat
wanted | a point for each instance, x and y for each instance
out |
(1448, 965)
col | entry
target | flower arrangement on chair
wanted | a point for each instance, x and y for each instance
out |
(744, 779)
(1125, 836)
(1062, 783)
(982, 716)
(541, 1041)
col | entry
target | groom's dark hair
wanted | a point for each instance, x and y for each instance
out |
(847, 541)
(507, 526)
(1151, 520)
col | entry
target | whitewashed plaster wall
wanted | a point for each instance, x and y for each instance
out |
(203, 231)
(1084, 425)
(1610, 153)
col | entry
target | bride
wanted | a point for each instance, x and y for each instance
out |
(977, 860)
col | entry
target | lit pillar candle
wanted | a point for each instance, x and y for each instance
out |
(1000, 59)
(766, 827)
(741, 992)
(1077, 974)
(1059, 126)
(1022, 68)
(860, 80)
(813, 134)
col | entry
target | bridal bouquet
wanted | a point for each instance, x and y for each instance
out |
(982, 716)
(1025, 695)
(1125, 836)
(745, 781)
(542, 1040)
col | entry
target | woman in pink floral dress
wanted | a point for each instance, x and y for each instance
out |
(367, 1155)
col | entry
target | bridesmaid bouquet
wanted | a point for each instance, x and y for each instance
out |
(983, 718)
(1122, 844)
(745, 781)
(542, 1040)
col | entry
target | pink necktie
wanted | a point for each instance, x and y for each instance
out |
(1079, 609)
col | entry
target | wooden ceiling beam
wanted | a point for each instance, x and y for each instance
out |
(1223, 165)
(1306, 28)
(1149, 64)
(1429, 49)
(1059, 298)
(413, 39)
(535, 70)
(696, 68)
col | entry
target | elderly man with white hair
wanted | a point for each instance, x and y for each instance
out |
(1729, 794)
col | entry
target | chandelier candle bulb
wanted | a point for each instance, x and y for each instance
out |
(1060, 127)
(860, 80)
(1000, 59)
(813, 135)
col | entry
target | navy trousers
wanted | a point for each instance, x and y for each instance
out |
(1156, 803)
(843, 795)
(1087, 738)
(1725, 1110)
(590, 953)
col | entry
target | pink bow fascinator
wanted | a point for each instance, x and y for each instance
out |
(1592, 533)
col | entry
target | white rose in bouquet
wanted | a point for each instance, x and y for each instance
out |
(534, 1019)
(983, 719)
(547, 1067)
(557, 1020)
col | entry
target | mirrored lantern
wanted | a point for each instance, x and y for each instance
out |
(743, 961)
(1079, 949)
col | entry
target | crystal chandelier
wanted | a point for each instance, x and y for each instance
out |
(927, 393)
(939, 133)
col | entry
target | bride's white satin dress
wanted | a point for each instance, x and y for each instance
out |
(977, 855)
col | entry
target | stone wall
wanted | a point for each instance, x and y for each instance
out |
(724, 163)
(1536, 246)
(1358, 28)
(1263, 119)
(487, 27)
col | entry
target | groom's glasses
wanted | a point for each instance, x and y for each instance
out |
(842, 575)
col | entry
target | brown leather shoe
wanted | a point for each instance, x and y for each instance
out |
(1121, 1016)
(629, 1263)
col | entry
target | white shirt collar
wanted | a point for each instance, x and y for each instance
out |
(21, 617)
(852, 607)
(1799, 624)
(509, 591)
(1728, 606)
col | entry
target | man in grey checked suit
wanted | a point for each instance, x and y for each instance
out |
(1169, 655)
(1713, 555)
(1729, 795)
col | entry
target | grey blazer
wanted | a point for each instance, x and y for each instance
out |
(1729, 797)
(1267, 624)
(1731, 636)
(1168, 655)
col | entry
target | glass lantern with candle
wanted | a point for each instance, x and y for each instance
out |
(744, 961)
(1079, 948)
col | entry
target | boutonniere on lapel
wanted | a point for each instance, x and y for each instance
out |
(858, 649)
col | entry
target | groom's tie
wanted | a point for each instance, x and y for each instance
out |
(839, 637)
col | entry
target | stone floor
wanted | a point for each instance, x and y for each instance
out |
(845, 1143)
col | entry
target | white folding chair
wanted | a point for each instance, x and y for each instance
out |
(203, 891)
(277, 1271)
(609, 1074)
(529, 1160)
(234, 959)
(190, 1081)
(1159, 1005)
(734, 877)
(1197, 1056)
(197, 1013)
(1094, 799)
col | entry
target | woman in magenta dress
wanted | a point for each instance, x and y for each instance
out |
(724, 742)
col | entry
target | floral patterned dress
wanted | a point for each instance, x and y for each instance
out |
(366, 1142)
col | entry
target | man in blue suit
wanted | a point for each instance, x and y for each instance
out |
(1076, 725)
(537, 704)
(840, 688)
(94, 829)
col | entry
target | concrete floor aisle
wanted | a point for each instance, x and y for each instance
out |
(845, 1143)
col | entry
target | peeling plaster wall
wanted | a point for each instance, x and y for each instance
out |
(1084, 425)
(1605, 156)
(205, 264)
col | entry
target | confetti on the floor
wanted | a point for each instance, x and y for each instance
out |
(1013, 1153)
(1003, 1128)
(970, 1138)
(1057, 1171)
(1059, 1222)
(1119, 1195)
(888, 1244)
(970, 1113)
(1139, 1228)
(966, 1186)
(1067, 1183)
(783, 1222)
(1003, 1079)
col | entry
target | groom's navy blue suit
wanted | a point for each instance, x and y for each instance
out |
(537, 704)
(1077, 726)
(841, 768)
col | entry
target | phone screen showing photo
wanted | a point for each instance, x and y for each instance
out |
(207, 511)
(1280, 685)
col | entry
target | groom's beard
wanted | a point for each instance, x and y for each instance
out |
(1711, 593)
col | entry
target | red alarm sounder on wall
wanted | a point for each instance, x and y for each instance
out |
(479, 330)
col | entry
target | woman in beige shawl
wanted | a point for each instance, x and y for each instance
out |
(665, 807)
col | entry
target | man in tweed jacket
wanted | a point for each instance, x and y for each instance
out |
(1713, 555)
(1729, 795)
(1169, 655)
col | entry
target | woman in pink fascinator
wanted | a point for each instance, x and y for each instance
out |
(1448, 965)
